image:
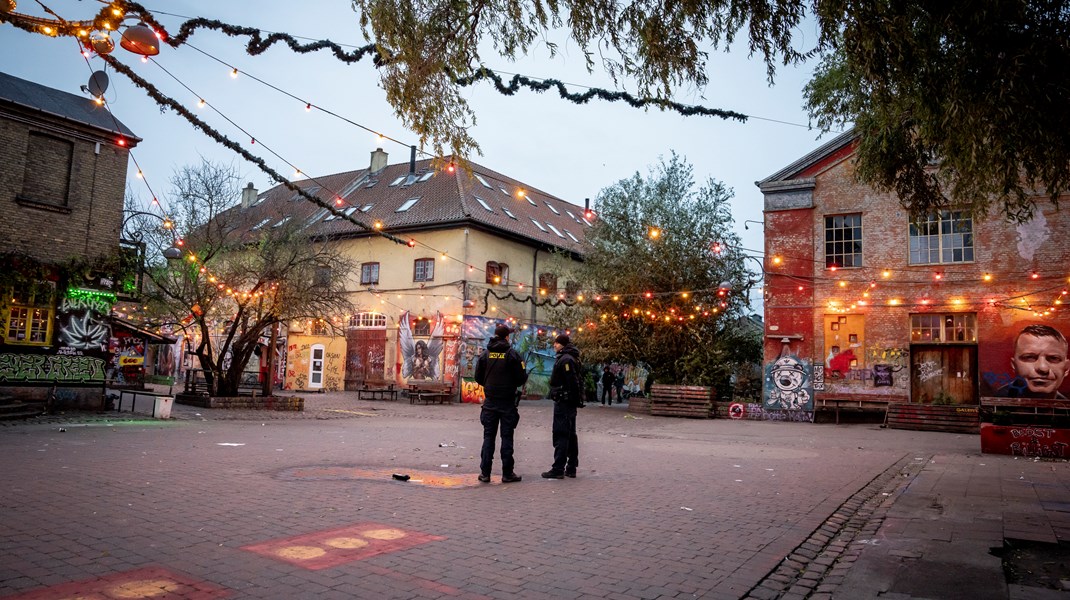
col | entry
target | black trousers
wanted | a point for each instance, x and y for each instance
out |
(566, 444)
(491, 419)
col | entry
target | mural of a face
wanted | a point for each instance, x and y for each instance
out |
(787, 374)
(1041, 363)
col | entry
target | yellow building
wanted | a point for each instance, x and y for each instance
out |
(443, 255)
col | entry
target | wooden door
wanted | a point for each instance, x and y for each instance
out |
(943, 371)
(365, 356)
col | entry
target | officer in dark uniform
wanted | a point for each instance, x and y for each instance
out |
(500, 371)
(566, 392)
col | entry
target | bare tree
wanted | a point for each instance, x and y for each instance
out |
(233, 281)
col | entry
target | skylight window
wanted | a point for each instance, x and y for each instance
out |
(397, 181)
(311, 190)
(318, 215)
(539, 225)
(508, 212)
(588, 223)
(551, 226)
(571, 236)
(407, 204)
(481, 180)
(503, 191)
(530, 201)
(366, 207)
(261, 223)
(356, 183)
(346, 212)
(484, 204)
(552, 209)
(426, 176)
(572, 216)
(281, 222)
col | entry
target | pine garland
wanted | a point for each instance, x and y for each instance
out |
(166, 101)
(529, 298)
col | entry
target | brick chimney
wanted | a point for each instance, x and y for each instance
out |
(248, 195)
(379, 157)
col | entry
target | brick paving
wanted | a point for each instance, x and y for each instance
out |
(662, 507)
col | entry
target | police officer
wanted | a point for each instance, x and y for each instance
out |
(500, 371)
(566, 392)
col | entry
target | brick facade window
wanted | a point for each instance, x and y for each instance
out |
(29, 316)
(943, 328)
(47, 178)
(421, 328)
(319, 327)
(843, 240)
(369, 273)
(423, 269)
(942, 238)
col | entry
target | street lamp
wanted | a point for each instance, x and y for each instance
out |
(174, 252)
(762, 223)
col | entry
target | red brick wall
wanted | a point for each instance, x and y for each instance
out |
(1009, 253)
(789, 310)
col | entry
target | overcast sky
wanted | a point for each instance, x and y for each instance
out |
(568, 150)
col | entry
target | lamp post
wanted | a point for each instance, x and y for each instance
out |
(762, 223)
(174, 252)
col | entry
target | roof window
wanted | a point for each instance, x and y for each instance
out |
(551, 226)
(539, 225)
(509, 213)
(407, 204)
(481, 180)
(397, 181)
(426, 176)
(552, 209)
(484, 204)
(574, 239)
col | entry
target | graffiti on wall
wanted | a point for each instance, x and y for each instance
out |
(421, 359)
(896, 358)
(788, 384)
(43, 368)
(819, 378)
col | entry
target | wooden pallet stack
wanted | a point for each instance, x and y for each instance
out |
(691, 401)
(933, 417)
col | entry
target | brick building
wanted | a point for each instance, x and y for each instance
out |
(862, 304)
(62, 181)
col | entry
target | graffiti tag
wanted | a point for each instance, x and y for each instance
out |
(45, 368)
(928, 370)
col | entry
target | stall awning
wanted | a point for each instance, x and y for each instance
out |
(150, 337)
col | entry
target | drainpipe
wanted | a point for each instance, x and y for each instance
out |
(534, 285)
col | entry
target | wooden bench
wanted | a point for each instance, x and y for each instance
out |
(197, 385)
(373, 389)
(856, 403)
(431, 392)
(953, 418)
(1022, 411)
(681, 401)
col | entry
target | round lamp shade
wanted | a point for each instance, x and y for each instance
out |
(101, 43)
(141, 39)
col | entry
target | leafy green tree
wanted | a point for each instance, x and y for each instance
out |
(665, 279)
(976, 87)
(233, 283)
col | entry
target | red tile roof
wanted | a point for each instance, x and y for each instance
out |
(445, 200)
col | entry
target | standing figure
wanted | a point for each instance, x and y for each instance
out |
(565, 391)
(607, 386)
(500, 371)
(619, 384)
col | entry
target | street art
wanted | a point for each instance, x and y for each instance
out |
(420, 359)
(788, 384)
(736, 411)
(43, 368)
(472, 392)
(84, 332)
(819, 378)
(100, 305)
(896, 358)
(756, 412)
(882, 376)
(928, 370)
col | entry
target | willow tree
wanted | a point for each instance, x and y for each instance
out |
(665, 280)
(233, 281)
(978, 87)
